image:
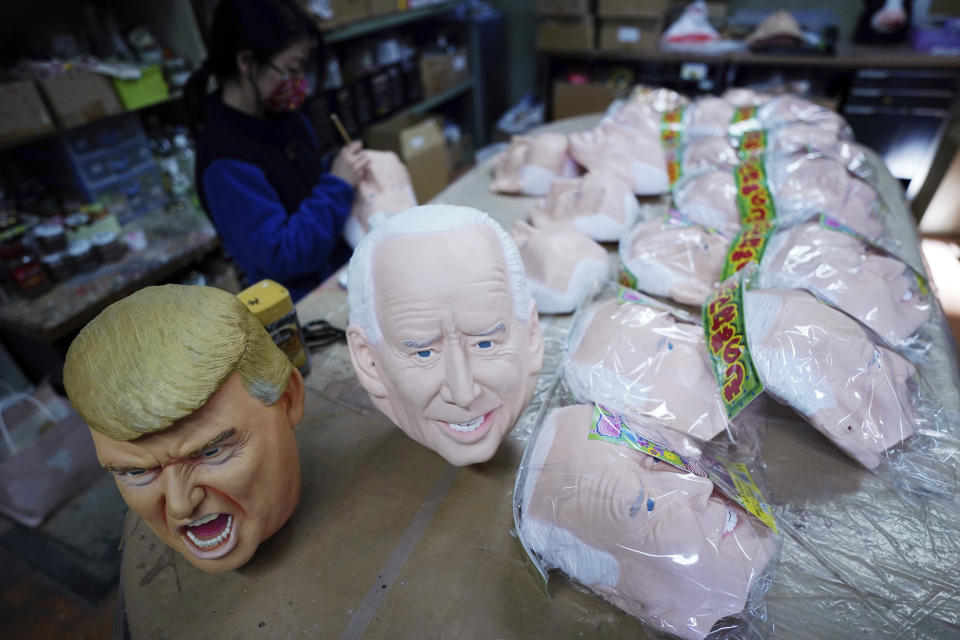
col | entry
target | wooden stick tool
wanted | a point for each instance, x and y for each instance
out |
(340, 128)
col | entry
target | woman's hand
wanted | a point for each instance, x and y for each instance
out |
(351, 164)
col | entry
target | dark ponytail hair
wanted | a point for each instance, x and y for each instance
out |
(264, 27)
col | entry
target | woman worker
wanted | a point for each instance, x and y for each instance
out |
(259, 172)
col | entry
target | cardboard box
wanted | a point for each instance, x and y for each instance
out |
(564, 7)
(578, 99)
(439, 72)
(22, 112)
(346, 11)
(380, 7)
(945, 7)
(82, 97)
(630, 34)
(420, 144)
(151, 88)
(565, 35)
(633, 8)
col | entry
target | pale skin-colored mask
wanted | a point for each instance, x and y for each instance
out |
(217, 483)
(455, 367)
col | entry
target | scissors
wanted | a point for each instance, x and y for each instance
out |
(320, 333)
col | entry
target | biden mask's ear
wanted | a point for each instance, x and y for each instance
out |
(535, 339)
(364, 362)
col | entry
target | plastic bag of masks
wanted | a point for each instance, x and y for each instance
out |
(668, 538)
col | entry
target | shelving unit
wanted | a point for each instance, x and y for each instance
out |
(19, 142)
(339, 35)
(390, 20)
(903, 121)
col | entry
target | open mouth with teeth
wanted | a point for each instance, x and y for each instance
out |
(210, 537)
(471, 429)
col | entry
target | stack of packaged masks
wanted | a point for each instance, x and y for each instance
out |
(780, 271)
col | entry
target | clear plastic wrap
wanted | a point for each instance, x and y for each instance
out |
(599, 204)
(737, 111)
(789, 188)
(562, 265)
(630, 155)
(709, 116)
(709, 152)
(667, 538)
(789, 108)
(645, 358)
(877, 289)
(531, 163)
(868, 400)
(671, 257)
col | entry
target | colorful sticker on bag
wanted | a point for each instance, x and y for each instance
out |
(744, 119)
(733, 479)
(626, 277)
(612, 427)
(747, 246)
(754, 199)
(671, 128)
(674, 169)
(832, 224)
(752, 143)
(723, 326)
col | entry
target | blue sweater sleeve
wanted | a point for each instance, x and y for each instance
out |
(256, 228)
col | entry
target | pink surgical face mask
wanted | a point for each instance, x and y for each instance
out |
(289, 95)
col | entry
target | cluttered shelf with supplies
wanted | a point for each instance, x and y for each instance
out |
(49, 298)
(97, 191)
(97, 195)
(392, 70)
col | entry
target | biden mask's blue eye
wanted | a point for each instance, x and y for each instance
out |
(424, 354)
(484, 344)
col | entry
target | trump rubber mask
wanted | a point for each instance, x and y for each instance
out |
(443, 334)
(192, 407)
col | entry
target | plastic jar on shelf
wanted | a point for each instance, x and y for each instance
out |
(57, 266)
(51, 238)
(83, 256)
(77, 221)
(108, 245)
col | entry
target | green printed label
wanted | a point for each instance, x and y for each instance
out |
(826, 222)
(753, 194)
(626, 277)
(752, 143)
(733, 367)
(733, 479)
(674, 169)
(612, 427)
(671, 128)
(747, 246)
(744, 119)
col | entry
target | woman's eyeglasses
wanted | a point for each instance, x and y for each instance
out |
(285, 73)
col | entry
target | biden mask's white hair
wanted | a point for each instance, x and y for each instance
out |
(418, 221)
